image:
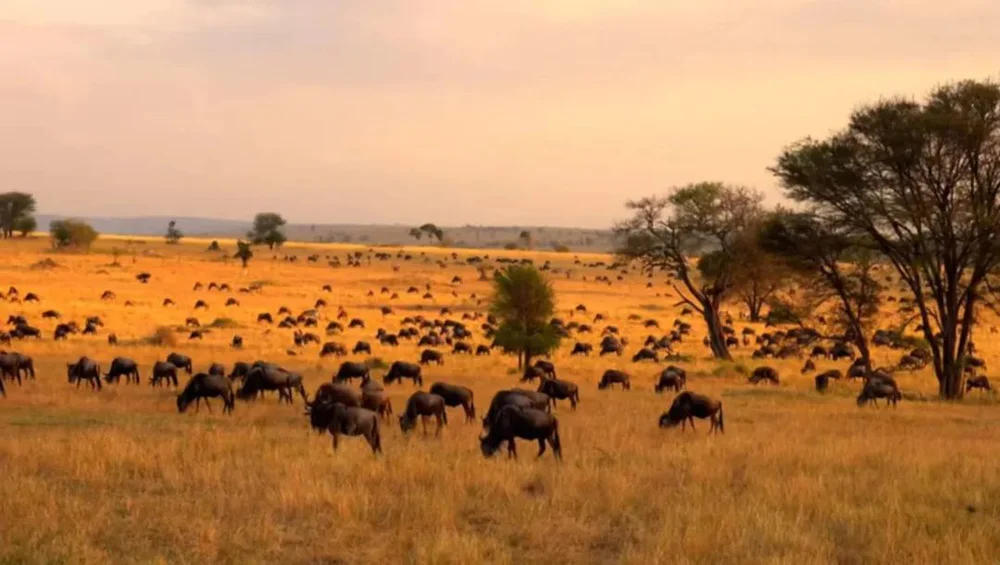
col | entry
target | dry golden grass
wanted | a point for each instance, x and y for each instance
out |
(120, 476)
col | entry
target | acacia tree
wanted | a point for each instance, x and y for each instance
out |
(243, 252)
(267, 230)
(72, 233)
(921, 181)
(25, 225)
(14, 207)
(833, 267)
(757, 275)
(706, 218)
(523, 301)
(173, 235)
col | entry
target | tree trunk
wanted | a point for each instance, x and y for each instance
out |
(755, 308)
(950, 379)
(717, 340)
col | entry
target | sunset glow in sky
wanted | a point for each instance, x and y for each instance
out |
(525, 112)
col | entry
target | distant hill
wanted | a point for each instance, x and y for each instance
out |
(583, 240)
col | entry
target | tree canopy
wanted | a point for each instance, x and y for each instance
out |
(429, 230)
(14, 208)
(523, 301)
(173, 235)
(72, 233)
(920, 181)
(243, 252)
(268, 230)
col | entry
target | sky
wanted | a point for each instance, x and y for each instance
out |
(520, 112)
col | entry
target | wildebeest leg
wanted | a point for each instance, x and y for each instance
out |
(541, 448)
(423, 420)
(440, 424)
(197, 404)
(335, 439)
(691, 421)
(208, 405)
(511, 449)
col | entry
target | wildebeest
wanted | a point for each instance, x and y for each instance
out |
(526, 423)
(645, 354)
(456, 395)
(240, 370)
(333, 348)
(237, 342)
(557, 389)
(482, 351)
(10, 367)
(377, 401)
(611, 345)
(876, 388)
(548, 368)
(112, 339)
(348, 421)
(122, 366)
(85, 369)
(762, 374)
(207, 386)
(164, 371)
(336, 392)
(687, 406)
(980, 382)
(180, 361)
(361, 347)
(264, 377)
(614, 376)
(351, 370)
(428, 356)
(671, 377)
(515, 397)
(582, 349)
(22, 331)
(424, 405)
(400, 370)
(461, 348)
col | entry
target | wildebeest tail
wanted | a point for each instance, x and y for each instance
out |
(722, 423)
(376, 437)
(556, 442)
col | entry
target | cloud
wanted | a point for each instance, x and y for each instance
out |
(446, 111)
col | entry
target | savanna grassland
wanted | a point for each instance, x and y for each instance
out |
(120, 476)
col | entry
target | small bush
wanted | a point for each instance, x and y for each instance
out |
(44, 265)
(376, 363)
(224, 323)
(72, 233)
(560, 248)
(164, 336)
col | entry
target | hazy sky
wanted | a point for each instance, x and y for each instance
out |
(469, 111)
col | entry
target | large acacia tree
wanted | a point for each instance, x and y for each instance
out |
(921, 181)
(706, 220)
(523, 300)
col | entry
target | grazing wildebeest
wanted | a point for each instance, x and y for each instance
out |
(671, 377)
(455, 395)
(532, 373)
(876, 388)
(263, 378)
(356, 323)
(237, 342)
(980, 382)
(164, 371)
(22, 331)
(361, 347)
(461, 348)
(390, 340)
(482, 351)
(611, 345)
(240, 370)
(112, 339)
(424, 405)
(265, 318)
(10, 367)
(351, 370)
(582, 349)
(548, 369)
(400, 370)
(557, 389)
(348, 421)
(823, 379)
(336, 392)
(645, 354)
(207, 386)
(333, 348)
(377, 402)
(526, 423)
(614, 376)
(687, 406)
(217, 369)
(764, 374)
(180, 361)
(51, 314)
(85, 369)
(428, 356)
(515, 397)
(192, 323)
(32, 297)
(122, 366)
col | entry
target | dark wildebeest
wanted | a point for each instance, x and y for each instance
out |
(424, 405)
(265, 318)
(368, 384)
(808, 367)
(180, 361)
(671, 377)
(557, 389)
(876, 388)
(207, 386)
(611, 345)
(482, 351)
(263, 378)
(980, 382)
(333, 348)
(515, 397)
(547, 367)
(340, 420)
(582, 349)
(377, 402)
(122, 366)
(22, 331)
(400, 370)
(645, 354)
(164, 370)
(240, 370)
(688, 406)
(430, 356)
(237, 342)
(350, 370)
(532, 373)
(764, 374)
(455, 395)
(526, 423)
(461, 348)
(217, 369)
(362, 347)
(614, 376)
(112, 339)
(336, 392)
(85, 369)
(10, 366)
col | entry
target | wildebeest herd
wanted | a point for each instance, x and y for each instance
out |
(341, 409)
